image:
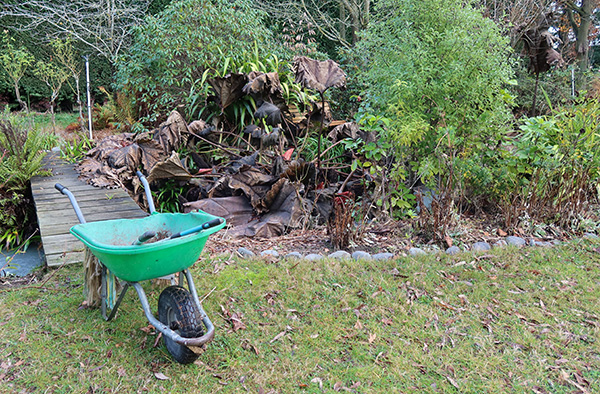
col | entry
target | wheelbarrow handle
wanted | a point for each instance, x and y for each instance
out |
(60, 188)
(68, 193)
(209, 224)
(147, 191)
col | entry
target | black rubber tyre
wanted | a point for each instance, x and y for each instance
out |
(177, 310)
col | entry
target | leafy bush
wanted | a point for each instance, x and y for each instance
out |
(555, 166)
(438, 70)
(171, 52)
(22, 151)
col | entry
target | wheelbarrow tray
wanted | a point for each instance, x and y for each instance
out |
(111, 242)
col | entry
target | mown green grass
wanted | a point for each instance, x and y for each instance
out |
(62, 119)
(509, 322)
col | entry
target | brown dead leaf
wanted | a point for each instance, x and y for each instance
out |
(337, 386)
(234, 318)
(121, 372)
(502, 233)
(453, 382)
(387, 322)
(319, 382)
(149, 329)
(448, 240)
(278, 336)
(160, 376)
(246, 345)
(157, 340)
(372, 337)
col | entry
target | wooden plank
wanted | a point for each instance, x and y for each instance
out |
(59, 243)
(66, 205)
(56, 215)
(70, 257)
(91, 214)
(63, 228)
(91, 194)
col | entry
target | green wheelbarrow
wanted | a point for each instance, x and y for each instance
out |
(169, 244)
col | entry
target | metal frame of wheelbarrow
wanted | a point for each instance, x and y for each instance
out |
(193, 343)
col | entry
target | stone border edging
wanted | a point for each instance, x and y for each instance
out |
(482, 246)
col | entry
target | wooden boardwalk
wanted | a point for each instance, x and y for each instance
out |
(56, 215)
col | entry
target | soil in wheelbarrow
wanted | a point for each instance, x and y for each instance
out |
(160, 235)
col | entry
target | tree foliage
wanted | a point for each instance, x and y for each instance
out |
(171, 51)
(15, 62)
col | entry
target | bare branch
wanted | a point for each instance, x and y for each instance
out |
(105, 26)
(332, 18)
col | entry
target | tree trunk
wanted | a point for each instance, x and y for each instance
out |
(52, 116)
(581, 27)
(342, 21)
(583, 46)
(22, 103)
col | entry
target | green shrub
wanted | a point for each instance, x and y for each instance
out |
(166, 64)
(555, 165)
(437, 69)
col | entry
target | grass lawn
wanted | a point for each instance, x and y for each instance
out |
(510, 321)
(63, 119)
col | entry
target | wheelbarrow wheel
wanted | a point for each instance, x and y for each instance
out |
(177, 310)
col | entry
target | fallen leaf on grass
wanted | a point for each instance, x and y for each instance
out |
(246, 345)
(453, 382)
(149, 329)
(160, 376)
(278, 336)
(121, 372)
(235, 319)
(372, 337)
(33, 303)
(157, 340)
(318, 381)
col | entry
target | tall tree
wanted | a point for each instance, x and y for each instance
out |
(579, 14)
(105, 26)
(15, 62)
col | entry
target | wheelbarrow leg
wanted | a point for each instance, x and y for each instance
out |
(208, 336)
(104, 300)
(205, 320)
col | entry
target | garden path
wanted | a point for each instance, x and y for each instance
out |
(56, 215)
